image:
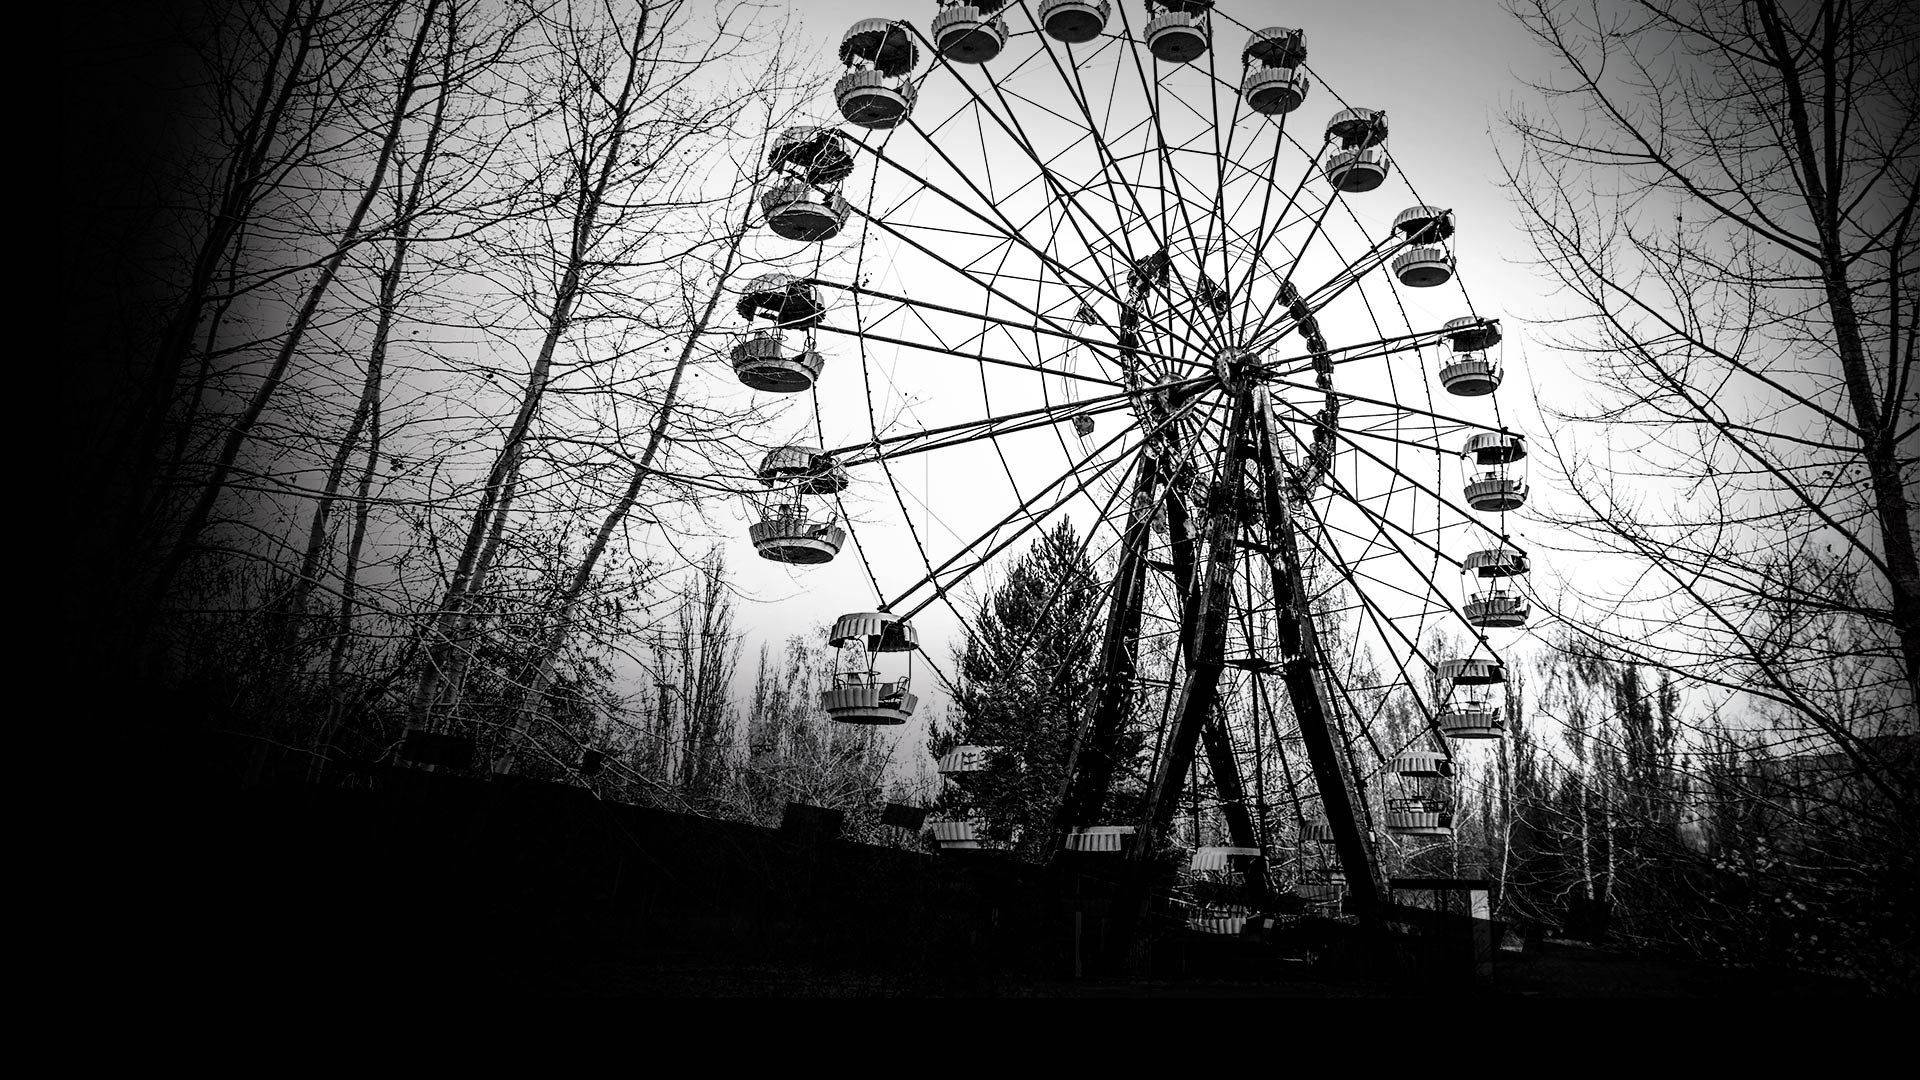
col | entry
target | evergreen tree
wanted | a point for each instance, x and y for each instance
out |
(1025, 678)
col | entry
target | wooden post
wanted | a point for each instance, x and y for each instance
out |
(1481, 911)
(1079, 917)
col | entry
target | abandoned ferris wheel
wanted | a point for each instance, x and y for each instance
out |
(1126, 233)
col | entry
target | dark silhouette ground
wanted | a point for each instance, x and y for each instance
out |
(399, 882)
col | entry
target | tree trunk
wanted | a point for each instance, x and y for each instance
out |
(319, 540)
(570, 598)
(446, 661)
(215, 484)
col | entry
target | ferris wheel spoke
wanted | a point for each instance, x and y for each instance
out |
(1288, 295)
(1349, 274)
(1375, 257)
(1171, 187)
(1273, 324)
(1381, 524)
(980, 337)
(1464, 515)
(1383, 622)
(1226, 172)
(1111, 166)
(917, 442)
(971, 276)
(1004, 227)
(915, 309)
(1265, 237)
(1238, 247)
(1347, 431)
(982, 358)
(1390, 406)
(1264, 184)
(1024, 512)
(1109, 162)
(1360, 504)
(1009, 124)
(1151, 88)
(1050, 330)
(1156, 324)
(1351, 572)
(1064, 357)
(1151, 91)
(1220, 157)
(1369, 350)
(986, 390)
(940, 580)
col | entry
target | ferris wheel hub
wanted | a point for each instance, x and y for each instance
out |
(1232, 366)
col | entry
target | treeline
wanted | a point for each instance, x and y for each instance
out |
(1618, 808)
(695, 745)
(1723, 194)
(1618, 813)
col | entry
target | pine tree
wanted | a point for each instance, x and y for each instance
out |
(1025, 676)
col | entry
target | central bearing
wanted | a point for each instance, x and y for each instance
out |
(1233, 364)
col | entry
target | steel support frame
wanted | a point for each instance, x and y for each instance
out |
(1206, 585)
(1208, 607)
(1301, 674)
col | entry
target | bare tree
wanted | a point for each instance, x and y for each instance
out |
(619, 189)
(795, 755)
(466, 45)
(261, 95)
(698, 318)
(1726, 194)
(341, 76)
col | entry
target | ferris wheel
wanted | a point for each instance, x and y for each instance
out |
(1141, 265)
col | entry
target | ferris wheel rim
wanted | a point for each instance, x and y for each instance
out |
(1043, 385)
(1174, 356)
